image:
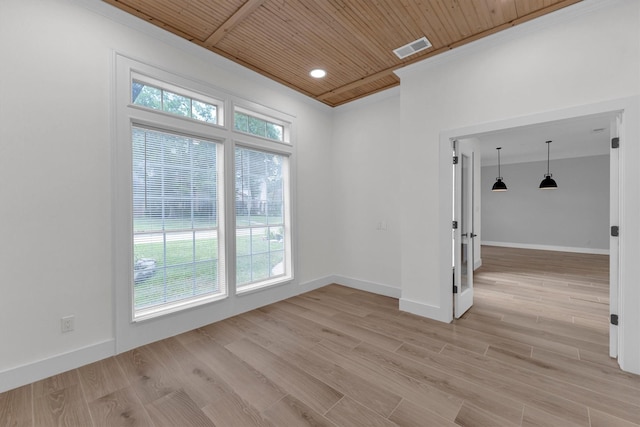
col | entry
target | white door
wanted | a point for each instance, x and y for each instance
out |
(464, 233)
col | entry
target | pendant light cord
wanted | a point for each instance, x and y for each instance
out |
(548, 155)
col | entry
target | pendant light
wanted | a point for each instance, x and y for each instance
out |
(499, 185)
(548, 183)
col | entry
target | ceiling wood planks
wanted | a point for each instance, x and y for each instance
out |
(352, 39)
(233, 20)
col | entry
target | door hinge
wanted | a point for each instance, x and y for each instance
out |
(614, 319)
(615, 142)
(453, 280)
(455, 160)
(454, 225)
(615, 231)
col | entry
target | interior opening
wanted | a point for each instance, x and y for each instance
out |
(543, 257)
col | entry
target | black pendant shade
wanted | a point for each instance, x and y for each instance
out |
(548, 183)
(499, 185)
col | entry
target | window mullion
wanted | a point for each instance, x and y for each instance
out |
(230, 207)
(164, 233)
(192, 209)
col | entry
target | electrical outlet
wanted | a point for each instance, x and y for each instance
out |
(68, 323)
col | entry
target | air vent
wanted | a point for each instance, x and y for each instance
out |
(413, 47)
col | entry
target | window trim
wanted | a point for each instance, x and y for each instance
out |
(284, 148)
(160, 310)
(260, 112)
(128, 333)
(266, 120)
(182, 91)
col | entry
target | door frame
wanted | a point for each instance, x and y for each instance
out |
(626, 107)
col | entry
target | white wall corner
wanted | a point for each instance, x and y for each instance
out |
(363, 285)
(315, 284)
(368, 100)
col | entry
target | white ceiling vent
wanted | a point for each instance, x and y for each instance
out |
(413, 47)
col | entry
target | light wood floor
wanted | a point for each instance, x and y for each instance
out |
(532, 351)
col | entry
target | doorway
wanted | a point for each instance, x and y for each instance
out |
(613, 117)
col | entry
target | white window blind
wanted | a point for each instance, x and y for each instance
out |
(177, 248)
(262, 236)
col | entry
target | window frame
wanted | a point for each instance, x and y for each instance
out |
(158, 310)
(287, 276)
(131, 332)
(267, 120)
(182, 91)
(263, 113)
(284, 148)
(183, 126)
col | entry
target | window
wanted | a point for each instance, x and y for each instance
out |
(262, 234)
(202, 205)
(176, 245)
(253, 125)
(154, 97)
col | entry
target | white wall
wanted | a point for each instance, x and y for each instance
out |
(56, 173)
(366, 159)
(555, 63)
(575, 217)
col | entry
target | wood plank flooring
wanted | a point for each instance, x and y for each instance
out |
(532, 351)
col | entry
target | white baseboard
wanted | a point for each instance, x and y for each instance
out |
(36, 371)
(424, 310)
(315, 284)
(363, 285)
(594, 251)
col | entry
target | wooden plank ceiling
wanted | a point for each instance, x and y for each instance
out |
(353, 40)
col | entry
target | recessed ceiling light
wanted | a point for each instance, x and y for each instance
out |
(318, 73)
